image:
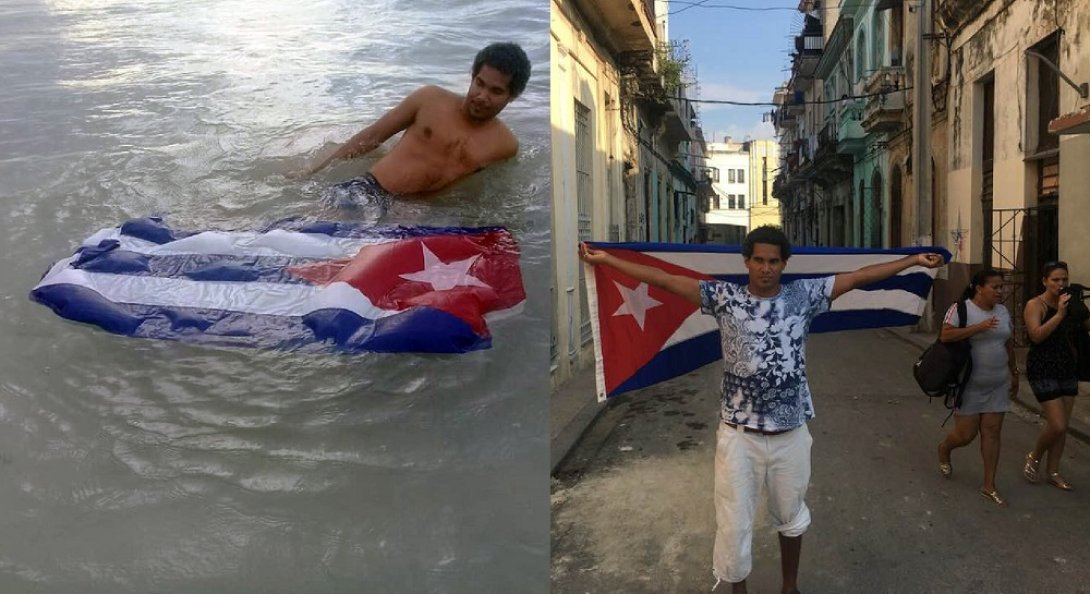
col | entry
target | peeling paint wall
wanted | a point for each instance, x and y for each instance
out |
(994, 44)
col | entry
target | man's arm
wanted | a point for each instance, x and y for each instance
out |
(866, 275)
(683, 286)
(505, 147)
(368, 139)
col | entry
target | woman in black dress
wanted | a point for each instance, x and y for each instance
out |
(1050, 369)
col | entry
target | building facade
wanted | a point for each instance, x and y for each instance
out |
(622, 140)
(958, 123)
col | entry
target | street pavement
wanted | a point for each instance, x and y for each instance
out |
(632, 501)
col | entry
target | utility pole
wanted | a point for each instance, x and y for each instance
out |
(921, 142)
(921, 125)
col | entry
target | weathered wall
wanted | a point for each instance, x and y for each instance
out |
(581, 69)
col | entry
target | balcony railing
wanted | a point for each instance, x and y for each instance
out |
(809, 44)
(850, 132)
(886, 99)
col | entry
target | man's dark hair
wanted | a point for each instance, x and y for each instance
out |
(509, 59)
(770, 235)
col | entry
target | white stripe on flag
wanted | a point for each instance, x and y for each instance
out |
(277, 242)
(699, 324)
(716, 264)
(895, 299)
(281, 299)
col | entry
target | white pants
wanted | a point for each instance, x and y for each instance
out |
(746, 463)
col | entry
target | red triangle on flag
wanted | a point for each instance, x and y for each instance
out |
(626, 347)
(466, 275)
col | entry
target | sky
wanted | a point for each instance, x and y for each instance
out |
(737, 55)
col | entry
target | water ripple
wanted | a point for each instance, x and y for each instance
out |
(135, 466)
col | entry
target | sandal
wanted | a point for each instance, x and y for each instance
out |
(1032, 468)
(1058, 481)
(944, 467)
(995, 497)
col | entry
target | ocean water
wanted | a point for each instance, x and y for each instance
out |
(131, 465)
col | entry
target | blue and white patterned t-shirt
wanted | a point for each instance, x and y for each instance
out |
(764, 350)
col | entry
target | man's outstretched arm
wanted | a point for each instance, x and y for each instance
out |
(683, 286)
(866, 275)
(368, 139)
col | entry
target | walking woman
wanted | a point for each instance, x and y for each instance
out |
(1050, 368)
(994, 379)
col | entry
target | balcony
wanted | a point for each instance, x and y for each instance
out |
(886, 101)
(630, 23)
(794, 104)
(850, 133)
(679, 119)
(808, 47)
(830, 166)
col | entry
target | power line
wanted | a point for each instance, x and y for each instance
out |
(690, 4)
(704, 4)
(774, 104)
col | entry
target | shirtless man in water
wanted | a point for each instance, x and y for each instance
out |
(447, 136)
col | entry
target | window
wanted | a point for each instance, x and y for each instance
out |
(741, 201)
(715, 202)
(860, 55)
(741, 176)
(730, 198)
(584, 191)
(730, 176)
(878, 44)
(1048, 94)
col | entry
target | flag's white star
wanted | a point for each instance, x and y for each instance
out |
(636, 302)
(442, 276)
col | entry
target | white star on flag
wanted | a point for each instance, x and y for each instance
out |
(636, 302)
(442, 276)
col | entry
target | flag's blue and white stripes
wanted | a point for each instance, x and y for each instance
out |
(240, 288)
(897, 301)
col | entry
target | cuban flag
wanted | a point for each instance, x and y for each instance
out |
(294, 285)
(644, 335)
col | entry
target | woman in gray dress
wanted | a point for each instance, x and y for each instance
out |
(994, 378)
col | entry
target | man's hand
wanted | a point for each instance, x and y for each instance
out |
(929, 260)
(683, 286)
(592, 256)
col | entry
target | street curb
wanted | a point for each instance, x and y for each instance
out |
(569, 435)
(573, 408)
(1075, 427)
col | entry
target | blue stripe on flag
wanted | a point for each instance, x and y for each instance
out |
(675, 360)
(737, 249)
(917, 283)
(223, 268)
(694, 353)
(333, 329)
(354, 230)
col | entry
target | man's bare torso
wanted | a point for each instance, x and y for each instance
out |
(441, 146)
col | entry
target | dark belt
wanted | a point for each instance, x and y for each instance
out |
(747, 429)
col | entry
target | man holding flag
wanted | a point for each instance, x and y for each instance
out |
(762, 439)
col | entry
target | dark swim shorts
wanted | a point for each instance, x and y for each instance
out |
(364, 193)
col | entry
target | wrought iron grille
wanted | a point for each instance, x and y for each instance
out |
(1021, 240)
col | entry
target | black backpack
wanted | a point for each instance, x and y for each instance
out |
(942, 371)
